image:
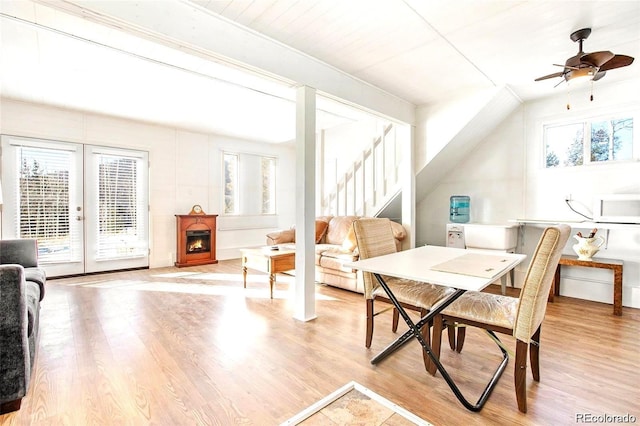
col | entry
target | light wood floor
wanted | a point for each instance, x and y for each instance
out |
(190, 346)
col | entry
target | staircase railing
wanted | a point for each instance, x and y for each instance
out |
(368, 184)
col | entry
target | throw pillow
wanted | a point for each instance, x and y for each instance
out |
(321, 229)
(350, 243)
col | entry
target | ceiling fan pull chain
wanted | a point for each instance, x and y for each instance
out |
(568, 98)
(591, 97)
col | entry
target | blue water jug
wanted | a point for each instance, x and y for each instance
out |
(459, 208)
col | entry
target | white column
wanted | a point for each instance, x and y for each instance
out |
(408, 182)
(305, 296)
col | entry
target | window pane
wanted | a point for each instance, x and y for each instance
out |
(564, 145)
(268, 166)
(612, 140)
(120, 230)
(622, 138)
(44, 203)
(230, 183)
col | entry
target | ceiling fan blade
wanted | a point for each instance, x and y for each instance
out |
(555, 74)
(617, 61)
(597, 58)
(599, 75)
(567, 66)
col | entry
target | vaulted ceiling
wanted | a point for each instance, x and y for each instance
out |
(61, 53)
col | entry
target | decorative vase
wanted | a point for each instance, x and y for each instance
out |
(586, 248)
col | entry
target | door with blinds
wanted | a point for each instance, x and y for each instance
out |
(116, 209)
(86, 205)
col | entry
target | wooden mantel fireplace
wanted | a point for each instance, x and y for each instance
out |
(196, 239)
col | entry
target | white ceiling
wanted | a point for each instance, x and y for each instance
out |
(422, 52)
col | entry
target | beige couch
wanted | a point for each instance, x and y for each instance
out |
(335, 246)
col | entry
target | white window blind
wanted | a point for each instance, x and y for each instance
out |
(44, 181)
(121, 200)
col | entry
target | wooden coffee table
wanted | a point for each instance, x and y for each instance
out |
(268, 261)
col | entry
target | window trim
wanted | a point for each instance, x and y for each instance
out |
(586, 121)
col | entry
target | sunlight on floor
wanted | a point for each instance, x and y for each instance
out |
(257, 285)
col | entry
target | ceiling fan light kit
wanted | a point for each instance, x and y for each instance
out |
(587, 66)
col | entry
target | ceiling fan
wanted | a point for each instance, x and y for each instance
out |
(588, 66)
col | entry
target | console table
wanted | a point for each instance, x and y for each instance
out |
(613, 264)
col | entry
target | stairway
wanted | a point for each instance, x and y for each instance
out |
(370, 184)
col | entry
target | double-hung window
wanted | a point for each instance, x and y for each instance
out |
(249, 184)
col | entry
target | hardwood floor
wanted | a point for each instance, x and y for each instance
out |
(176, 346)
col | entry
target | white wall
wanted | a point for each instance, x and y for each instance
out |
(506, 180)
(492, 175)
(185, 169)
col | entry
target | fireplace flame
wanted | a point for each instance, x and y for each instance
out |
(195, 246)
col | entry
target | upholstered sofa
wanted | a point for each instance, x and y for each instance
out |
(335, 246)
(22, 285)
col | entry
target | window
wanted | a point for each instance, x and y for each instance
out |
(588, 142)
(230, 183)
(249, 184)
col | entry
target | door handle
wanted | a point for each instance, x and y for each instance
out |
(79, 218)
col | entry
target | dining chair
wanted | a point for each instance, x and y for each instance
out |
(521, 317)
(374, 237)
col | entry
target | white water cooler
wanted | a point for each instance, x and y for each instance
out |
(455, 235)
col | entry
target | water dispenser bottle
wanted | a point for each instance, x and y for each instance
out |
(459, 208)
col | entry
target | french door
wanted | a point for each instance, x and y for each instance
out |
(86, 205)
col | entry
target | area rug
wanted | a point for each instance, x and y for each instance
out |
(355, 404)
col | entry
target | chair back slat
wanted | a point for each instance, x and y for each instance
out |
(375, 238)
(538, 280)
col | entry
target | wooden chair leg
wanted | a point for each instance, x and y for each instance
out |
(461, 334)
(520, 375)
(7, 407)
(396, 318)
(534, 355)
(451, 333)
(436, 342)
(369, 332)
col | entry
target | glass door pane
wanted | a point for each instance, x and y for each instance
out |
(42, 183)
(117, 217)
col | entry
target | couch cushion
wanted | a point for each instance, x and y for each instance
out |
(38, 276)
(335, 258)
(338, 229)
(321, 248)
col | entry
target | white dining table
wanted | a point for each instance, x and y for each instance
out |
(460, 269)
